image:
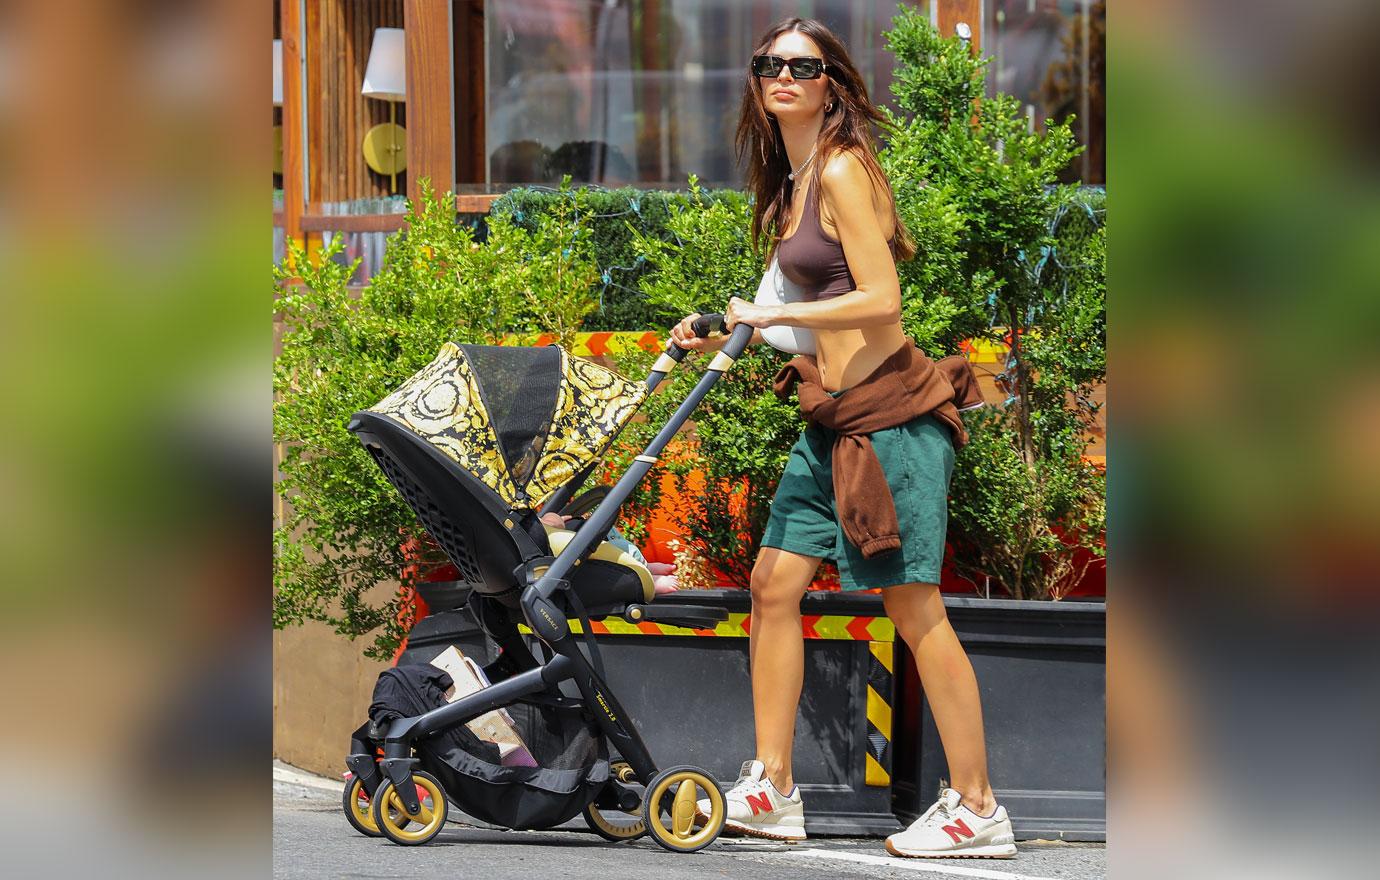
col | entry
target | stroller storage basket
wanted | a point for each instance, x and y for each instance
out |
(572, 765)
(570, 753)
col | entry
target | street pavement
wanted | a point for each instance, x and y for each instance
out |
(312, 839)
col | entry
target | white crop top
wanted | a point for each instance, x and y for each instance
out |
(776, 289)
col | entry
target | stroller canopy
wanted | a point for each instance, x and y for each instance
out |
(521, 420)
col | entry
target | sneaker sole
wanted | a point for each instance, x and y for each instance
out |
(1002, 851)
(738, 828)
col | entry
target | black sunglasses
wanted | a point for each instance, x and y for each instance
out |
(804, 67)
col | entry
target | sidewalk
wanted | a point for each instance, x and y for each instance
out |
(311, 839)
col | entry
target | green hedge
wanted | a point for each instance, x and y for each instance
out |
(623, 306)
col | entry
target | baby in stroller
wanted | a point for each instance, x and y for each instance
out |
(489, 446)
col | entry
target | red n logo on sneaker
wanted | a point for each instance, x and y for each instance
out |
(760, 802)
(958, 831)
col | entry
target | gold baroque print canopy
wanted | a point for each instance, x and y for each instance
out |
(521, 420)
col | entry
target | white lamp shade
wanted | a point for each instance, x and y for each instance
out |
(277, 73)
(386, 76)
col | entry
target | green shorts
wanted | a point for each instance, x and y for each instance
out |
(918, 459)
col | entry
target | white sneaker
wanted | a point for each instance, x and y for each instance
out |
(756, 808)
(950, 830)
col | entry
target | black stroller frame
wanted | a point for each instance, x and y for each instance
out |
(545, 587)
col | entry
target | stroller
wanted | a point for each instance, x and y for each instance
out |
(480, 443)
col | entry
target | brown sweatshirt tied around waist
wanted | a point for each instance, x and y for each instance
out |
(906, 385)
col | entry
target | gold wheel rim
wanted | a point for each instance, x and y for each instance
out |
(682, 833)
(428, 818)
(634, 829)
(363, 809)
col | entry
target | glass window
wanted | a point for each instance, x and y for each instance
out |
(1051, 54)
(641, 92)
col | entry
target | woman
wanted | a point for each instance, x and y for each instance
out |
(806, 120)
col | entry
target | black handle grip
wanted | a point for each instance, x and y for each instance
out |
(707, 324)
(702, 327)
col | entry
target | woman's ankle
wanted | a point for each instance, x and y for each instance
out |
(779, 775)
(979, 799)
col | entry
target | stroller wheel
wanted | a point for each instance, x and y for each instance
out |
(359, 810)
(394, 821)
(668, 808)
(614, 825)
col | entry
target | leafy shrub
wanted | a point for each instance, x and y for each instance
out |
(347, 526)
(621, 302)
(1002, 246)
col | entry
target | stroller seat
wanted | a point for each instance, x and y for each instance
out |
(609, 576)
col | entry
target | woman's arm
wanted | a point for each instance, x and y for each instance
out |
(847, 190)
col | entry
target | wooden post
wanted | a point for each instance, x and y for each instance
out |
(430, 80)
(294, 182)
(945, 14)
(649, 98)
(471, 150)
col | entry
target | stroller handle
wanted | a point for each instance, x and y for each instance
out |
(707, 324)
(702, 327)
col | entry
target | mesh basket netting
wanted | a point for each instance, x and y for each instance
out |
(572, 765)
(570, 753)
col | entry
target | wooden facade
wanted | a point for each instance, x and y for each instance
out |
(339, 34)
(325, 117)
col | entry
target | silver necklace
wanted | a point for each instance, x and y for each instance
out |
(792, 174)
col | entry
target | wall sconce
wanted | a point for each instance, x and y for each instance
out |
(277, 102)
(385, 79)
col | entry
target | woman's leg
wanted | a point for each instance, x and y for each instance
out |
(917, 610)
(777, 652)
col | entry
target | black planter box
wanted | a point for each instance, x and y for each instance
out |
(691, 697)
(1041, 669)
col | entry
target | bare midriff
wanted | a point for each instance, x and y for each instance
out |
(846, 357)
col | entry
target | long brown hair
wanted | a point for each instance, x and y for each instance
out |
(848, 127)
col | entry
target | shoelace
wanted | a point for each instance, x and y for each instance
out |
(746, 785)
(940, 809)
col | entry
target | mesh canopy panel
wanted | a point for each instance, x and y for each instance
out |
(519, 388)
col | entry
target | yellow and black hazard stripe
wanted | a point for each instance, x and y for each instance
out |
(881, 660)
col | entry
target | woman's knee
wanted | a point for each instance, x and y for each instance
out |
(914, 609)
(773, 590)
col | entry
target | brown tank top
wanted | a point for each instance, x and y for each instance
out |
(815, 261)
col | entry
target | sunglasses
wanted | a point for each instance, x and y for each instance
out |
(804, 67)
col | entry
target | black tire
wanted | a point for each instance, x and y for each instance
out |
(429, 821)
(667, 790)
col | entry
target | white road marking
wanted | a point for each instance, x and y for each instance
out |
(912, 865)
